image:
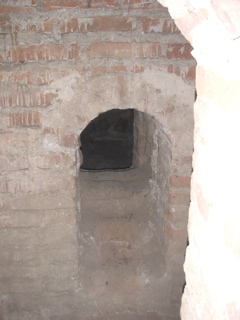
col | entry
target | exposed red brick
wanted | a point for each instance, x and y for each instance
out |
(170, 68)
(179, 51)
(24, 119)
(97, 71)
(69, 140)
(141, 4)
(3, 23)
(24, 99)
(180, 199)
(177, 71)
(124, 50)
(138, 69)
(190, 74)
(16, 77)
(174, 69)
(8, 27)
(165, 25)
(47, 52)
(180, 181)
(83, 4)
(46, 26)
(10, 9)
(117, 69)
(169, 26)
(97, 24)
(73, 25)
(47, 130)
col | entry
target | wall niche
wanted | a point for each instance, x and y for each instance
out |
(122, 214)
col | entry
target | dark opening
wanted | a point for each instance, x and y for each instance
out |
(107, 142)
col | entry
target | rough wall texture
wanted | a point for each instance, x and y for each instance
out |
(63, 62)
(213, 258)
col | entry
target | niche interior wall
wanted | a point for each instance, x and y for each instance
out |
(62, 64)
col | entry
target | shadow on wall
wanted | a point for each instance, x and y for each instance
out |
(107, 142)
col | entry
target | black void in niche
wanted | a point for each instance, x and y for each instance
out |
(107, 142)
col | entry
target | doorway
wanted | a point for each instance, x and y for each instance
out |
(122, 214)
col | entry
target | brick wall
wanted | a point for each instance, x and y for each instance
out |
(61, 63)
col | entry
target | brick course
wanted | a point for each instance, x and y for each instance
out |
(24, 119)
(43, 52)
(124, 50)
(97, 24)
(83, 4)
(24, 99)
(179, 51)
(164, 25)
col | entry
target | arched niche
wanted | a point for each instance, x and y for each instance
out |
(123, 260)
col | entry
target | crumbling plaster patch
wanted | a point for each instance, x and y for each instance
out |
(151, 92)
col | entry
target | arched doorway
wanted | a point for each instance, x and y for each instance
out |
(122, 216)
